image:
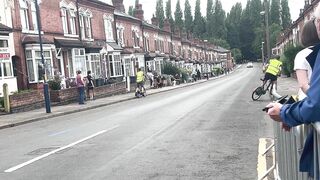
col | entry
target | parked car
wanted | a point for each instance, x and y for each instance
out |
(249, 65)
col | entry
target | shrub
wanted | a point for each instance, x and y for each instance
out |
(288, 59)
(1, 101)
(169, 68)
(55, 83)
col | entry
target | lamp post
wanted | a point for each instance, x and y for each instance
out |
(45, 84)
(266, 18)
(262, 52)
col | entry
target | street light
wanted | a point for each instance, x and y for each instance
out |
(45, 84)
(262, 52)
(266, 18)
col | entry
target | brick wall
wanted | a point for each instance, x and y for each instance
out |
(26, 101)
(110, 89)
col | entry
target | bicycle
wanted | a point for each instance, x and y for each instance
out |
(140, 91)
(262, 90)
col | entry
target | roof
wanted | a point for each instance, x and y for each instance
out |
(221, 49)
(5, 30)
(32, 39)
(144, 23)
(114, 45)
(121, 14)
(68, 43)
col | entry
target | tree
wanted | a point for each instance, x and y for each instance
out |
(236, 53)
(233, 25)
(130, 11)
(188, 17)
(275, 30)
(160, 13)
(285, 14)
(246, 34)
(178, 16)
(169, 14)
(210, 19)
(255, 9)
(219, 21)
(275, 12)
(198, 29)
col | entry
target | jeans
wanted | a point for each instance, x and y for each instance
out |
(81, 95)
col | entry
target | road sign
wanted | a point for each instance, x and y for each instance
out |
(4, 55)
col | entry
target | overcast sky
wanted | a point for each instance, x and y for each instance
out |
(149, 6)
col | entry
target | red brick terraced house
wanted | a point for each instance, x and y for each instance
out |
(98, 36)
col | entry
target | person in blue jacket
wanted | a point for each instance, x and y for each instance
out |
(305, 111)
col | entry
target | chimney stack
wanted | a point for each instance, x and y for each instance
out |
(167, 25)
(155, 21)
(138, 11)
(118, 4)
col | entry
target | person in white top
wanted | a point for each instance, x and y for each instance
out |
(309, 38)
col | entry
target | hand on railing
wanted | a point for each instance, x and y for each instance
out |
(285, 127)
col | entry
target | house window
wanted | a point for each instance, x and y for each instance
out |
(3, 43)
(108, 29)
(85, 25)
(34, 16)
(72, 21)
(115, 65)
(24, 14)
(76, 61)
(34, 64)
(64, 20)
(94, 64)
(128, 67)
(120, 37)
(135, 38)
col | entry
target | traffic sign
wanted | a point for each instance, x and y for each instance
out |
(4, 55)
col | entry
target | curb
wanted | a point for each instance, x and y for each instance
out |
(97, 106)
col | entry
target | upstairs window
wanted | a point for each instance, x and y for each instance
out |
(24, 14)
(85, 24)
(135, 38)
(68, 18)
(120, 37)
(72, 21)
(108, 28)
(64, 20)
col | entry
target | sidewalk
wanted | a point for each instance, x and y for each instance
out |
(16, 119)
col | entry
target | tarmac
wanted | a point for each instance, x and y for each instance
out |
(285, 86)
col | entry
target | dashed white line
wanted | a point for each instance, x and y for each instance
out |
(59, 149)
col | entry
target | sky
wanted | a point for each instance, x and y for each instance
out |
(149, 6)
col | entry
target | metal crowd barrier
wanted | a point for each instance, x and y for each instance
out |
(288, 149)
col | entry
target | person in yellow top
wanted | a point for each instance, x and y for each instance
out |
(140, 81)
(273, 69)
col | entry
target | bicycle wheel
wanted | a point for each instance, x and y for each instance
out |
(256, 94)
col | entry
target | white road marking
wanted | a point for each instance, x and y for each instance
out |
(59, 149)
(59, 133)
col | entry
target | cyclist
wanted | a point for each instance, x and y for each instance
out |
(140, 81)
(273, 69)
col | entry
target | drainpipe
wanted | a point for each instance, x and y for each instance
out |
(78, 17)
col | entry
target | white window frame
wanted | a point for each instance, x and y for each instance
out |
(34, 15)
(120, 36)
(24, 15)
(116, 65)
(72, 21)
(35, 59)
(64, 20)
(93, 63)
(108, 28)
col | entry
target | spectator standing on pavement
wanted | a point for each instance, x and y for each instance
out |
(198, 74)
(150, 77)
(305, 111)
(90, 85)
(80, 86)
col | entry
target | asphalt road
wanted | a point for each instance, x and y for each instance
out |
(207, 131)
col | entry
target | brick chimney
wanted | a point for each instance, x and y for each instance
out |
(155, 21)
(138, 11)
(167, 25)
(118, 4)
(177, 31)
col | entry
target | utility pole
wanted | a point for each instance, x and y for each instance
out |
(45, 84)
(266, 9)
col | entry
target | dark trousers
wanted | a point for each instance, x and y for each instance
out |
(81, 94)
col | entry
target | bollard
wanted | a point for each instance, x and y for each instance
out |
(128, 83)
(6, 98)
(47, 97)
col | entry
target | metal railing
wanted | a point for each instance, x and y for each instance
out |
(288, 149)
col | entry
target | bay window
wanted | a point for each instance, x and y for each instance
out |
(94, 64)
(76, 61)
(115, 65)
(34, 64)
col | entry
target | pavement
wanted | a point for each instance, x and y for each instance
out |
(285, 86)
